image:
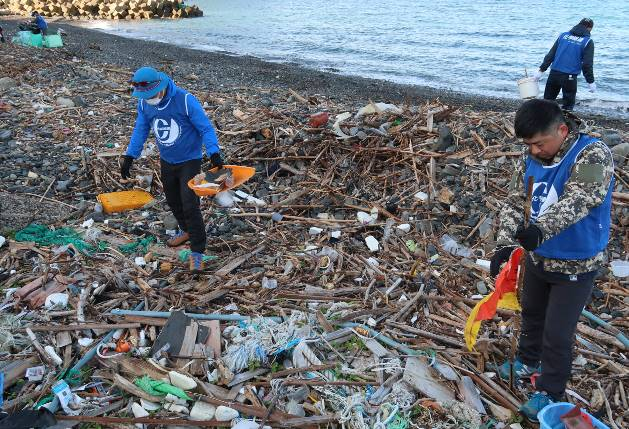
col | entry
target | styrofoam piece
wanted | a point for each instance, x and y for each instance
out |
(372, 243)
(182, 381)
(405, 227)
(620, 268)
(225, 414)
(50, 351)
(58, 300)
(202, 411)
(315, 230)
(421, 196)
(150, 406)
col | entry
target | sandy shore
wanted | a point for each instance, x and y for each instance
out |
(220, 70)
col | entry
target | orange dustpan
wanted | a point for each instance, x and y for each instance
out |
(240, 175)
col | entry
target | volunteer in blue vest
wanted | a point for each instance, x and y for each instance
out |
(182, 130)
(572, 53)
(40, 23)
(566, 240)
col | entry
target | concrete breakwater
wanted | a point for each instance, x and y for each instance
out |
(104, 9)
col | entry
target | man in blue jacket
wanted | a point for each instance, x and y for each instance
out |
(40, 23)
(182, 130)
(573, 178)
(572, 53)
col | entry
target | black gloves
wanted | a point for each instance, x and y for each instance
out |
(216, 160)
(530, 238)
(500, 256)
(126, 166)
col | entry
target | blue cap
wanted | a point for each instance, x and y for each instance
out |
(148, 82)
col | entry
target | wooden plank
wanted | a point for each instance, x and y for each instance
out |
(213, 341)
(63, 339)
(421, 376)
(144, 320)
(82, 326)
(187, 346)
(231, 266)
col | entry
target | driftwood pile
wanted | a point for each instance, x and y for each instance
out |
(105, 9)
(333, 296)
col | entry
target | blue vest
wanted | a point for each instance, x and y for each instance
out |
(569, 54)
(588, 236)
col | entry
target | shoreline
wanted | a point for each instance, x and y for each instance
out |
(228, 71)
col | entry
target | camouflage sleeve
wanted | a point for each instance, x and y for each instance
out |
(512, 210)
(585, 189)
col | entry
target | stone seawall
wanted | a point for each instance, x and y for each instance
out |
(104, 9)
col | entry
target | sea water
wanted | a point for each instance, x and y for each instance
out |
(478, 47)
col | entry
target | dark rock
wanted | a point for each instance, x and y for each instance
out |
(5, 135)
(97, 217)
(451, 170)
(73, 168)
(266, 101)
(79, 101)
(481, 287)
(63, 185)
(170, 223)
(431, 249)
(446, 139)
(472, 220)
(611, 138)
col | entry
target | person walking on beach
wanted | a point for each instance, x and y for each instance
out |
(569, 230)
(182, 130)
(572, 53)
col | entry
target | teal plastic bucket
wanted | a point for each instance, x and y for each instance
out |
(550, 417)
(53, 41)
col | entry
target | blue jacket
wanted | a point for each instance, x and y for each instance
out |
(572, 53)
(583, 239)
(179, 124)
(41, 23)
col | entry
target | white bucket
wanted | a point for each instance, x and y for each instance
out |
(528, 87)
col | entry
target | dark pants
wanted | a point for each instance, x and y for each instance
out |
(566, 83)
(183, 202)
(551, 306)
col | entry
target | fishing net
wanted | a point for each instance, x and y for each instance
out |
(44, 236)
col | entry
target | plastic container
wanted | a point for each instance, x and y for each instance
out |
(620, 268)
(116, 202)
(53, 41)
(23, 38)
(529, 87)
(239, 173)
(37, 40)
(550, 417)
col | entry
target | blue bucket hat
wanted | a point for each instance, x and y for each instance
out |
(148, 82)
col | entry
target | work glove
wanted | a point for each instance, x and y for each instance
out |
(592, 86)
(216, 161)
(538, 74)
(530, 237)
(126, 167)
(501, 256)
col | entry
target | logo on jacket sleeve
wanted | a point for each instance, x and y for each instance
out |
(166, 133)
